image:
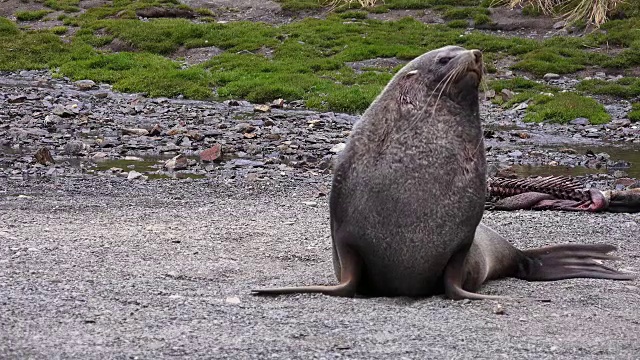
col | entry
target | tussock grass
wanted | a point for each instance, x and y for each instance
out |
(31, 15)
(564, 107)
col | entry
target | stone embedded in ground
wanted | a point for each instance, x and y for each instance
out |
(277, 103)
(62, 111)
(14, 99)
(133, 175)
(155, 130)
(179, 162)
(490, 94)
(99, 156)
(338, 148)
(135, 131)
(507, 94)
(43, 156)
(85, 84)
(194, 135)
(551, 76)
(244, 128)
(262, 108)
(176, 130)
(75, 147)
(516, 154)
(580, 121)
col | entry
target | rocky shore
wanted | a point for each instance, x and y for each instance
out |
(90, 130)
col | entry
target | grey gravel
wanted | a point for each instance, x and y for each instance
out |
(113, 269)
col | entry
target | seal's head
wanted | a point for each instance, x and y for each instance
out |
(450, 71)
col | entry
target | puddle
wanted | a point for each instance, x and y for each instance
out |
(617, 154)
(146, 165)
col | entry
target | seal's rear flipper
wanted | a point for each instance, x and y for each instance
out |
(351, 268)
(457, 276)
(569, 261)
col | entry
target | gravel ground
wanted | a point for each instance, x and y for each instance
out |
(97, 267)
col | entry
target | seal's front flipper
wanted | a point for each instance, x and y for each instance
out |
(569, 261)
(351, 268)
(463, 272)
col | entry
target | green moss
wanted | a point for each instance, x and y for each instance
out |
(564, 107)
(461, 24)
(634, 114)
(353, 14)
(63, 5)
(8, 27)
(298, 5)
(482, 19)
(59, 30)
(464, 12)
(31, 15)
(204, 12)
(625, 88)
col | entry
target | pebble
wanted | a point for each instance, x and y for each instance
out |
(85, 84)
(551, 76)
(133, 175)
(179, 162)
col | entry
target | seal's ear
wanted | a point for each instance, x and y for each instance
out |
(408, 88)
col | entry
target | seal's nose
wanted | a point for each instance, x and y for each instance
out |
(477, 54)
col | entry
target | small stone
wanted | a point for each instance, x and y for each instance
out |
(232, 300)
(507, 94)
(580, 121)
(551, 76)
(310, 203)
(175, 131)
(277, 103)
(498, 310)
(521, 106)
(516, 154)
(262, 108)
(155, 130)
(179, 162)
(490, 94)
(14, 99)
(194, 135)
(133, 158)
(85, 84)
(75, 147)
(632, 287)
(99, 156)
(338, 148)
(43, 156)
(244, 128)
(211, 154)
(138, 132)
(133, 175)
(559, 25)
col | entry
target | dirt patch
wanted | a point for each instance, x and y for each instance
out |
(10, 7)
(426, 16)
(197, 55)
(384, 64)
(250, 10)
(510, 20)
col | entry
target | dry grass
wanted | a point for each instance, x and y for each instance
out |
(593, 11)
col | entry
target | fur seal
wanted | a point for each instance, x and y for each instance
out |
(408, 195)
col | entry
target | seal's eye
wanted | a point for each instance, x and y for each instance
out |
(444, 60)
